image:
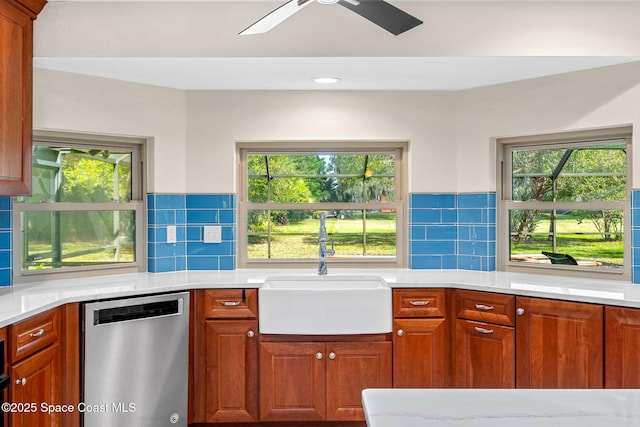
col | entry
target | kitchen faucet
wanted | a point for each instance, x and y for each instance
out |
(323, 251)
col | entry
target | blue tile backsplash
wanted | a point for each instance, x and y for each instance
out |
(452, 231)
(190, 213)
(446, 231)
(5, 241)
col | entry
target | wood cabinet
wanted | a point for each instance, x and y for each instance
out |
(484, 343)
(421, 338)
(315, 381)
(622, 342)
(559, 344)
(225, 377)
(35, 369)
(16, 92)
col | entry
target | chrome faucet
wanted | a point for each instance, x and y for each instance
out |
(323, 251)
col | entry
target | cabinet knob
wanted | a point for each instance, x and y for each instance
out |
(251, 334)
(22, 381)
(520, 311)
(400, 332)
(332, 355)
(319, 356)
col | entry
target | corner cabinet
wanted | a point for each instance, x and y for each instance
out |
(16, 93)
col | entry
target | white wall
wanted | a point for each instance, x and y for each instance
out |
(450, 134)
(65, 101)
(216, 120)
(581, 100)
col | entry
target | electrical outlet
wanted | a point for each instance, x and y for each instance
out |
(212, 234)
(172, 236)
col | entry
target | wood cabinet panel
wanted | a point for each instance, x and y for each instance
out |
(352, 367)
(231, 370)
(622, 345)
(16, 81)
(486, 307)
(419, 303)
(292, 381)
(484, 355)
(231, 303)
(36, 379)
(559, 344)
(420, 352)
(34, 333)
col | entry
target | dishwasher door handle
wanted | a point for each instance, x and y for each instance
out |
(144, 310)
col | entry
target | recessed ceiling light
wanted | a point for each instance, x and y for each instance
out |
(326, 80)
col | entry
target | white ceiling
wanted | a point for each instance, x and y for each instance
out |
(143, 42)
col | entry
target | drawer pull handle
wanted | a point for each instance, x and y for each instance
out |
(483, 330)
(37, 334)
(230, 303)
(484, 307)
(420, 303)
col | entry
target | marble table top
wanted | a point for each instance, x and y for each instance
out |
(492, 407)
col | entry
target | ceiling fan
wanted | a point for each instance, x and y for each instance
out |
(379, 12)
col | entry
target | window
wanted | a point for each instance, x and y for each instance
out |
(564, 203)
(285, 186)
(85, 211)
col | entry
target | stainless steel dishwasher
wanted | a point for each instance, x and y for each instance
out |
(136, 361)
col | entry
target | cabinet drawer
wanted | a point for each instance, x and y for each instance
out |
(33, 334)
(486, 307)
(418, 303)
(231, 304)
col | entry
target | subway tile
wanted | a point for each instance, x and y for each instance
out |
(162, 265)
(450, 262)
(5, 220)
(5, 259)
(228, 233)
(433, 248)
(227, 263)
(635, 199)
(203, 263)
(170, 201)
(209, 201)
(449, 216)
(473, 201)
(470, 216)
(204, 216)
(441, 232)
(5, 240)
(227, 216)
(468, 262)
(432, 201)
(417, 232)
(421, 262)
(5, 203)
(426, 216)
(5, 277)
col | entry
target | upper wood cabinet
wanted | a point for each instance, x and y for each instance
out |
(16, 93)
(559, 344)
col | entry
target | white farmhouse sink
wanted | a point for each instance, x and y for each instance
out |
(325, 305)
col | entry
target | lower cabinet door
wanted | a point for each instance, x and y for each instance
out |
(484, 355)
(35, 381)
(292, 381)
(231, 370)
(351, 368)
(622, 342)
(420, 349)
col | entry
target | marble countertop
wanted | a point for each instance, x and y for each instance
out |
(492, 407)
(20, 301)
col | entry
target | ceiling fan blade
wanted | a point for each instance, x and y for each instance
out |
(275, 17)
(381, 13)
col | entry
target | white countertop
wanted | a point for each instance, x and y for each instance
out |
(492, 407)
(23, 300)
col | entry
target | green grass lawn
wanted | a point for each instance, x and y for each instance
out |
(582, 241)
(300, 240)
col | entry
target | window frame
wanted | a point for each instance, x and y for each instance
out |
(571, 139)
(399, 148)
(138, 147)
